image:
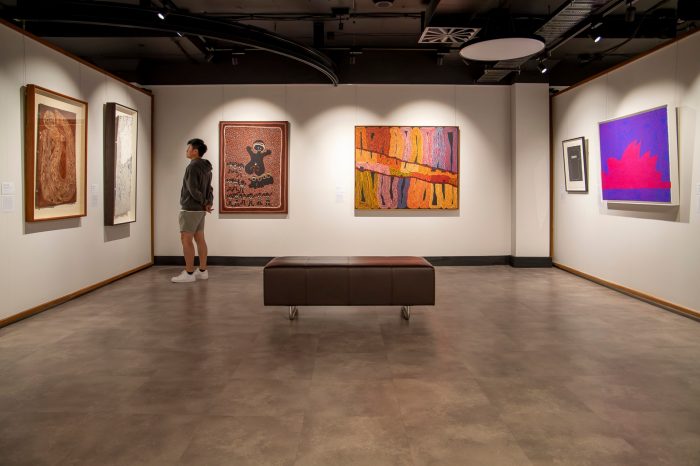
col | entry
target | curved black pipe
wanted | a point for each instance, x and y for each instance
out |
(136, 17)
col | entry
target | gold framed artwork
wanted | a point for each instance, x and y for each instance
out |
(55, 157)
(121, 137)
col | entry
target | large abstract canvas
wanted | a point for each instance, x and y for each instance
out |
(406, 167)
(55, 155)
(121, 137)
(253, 166)
(639, 161)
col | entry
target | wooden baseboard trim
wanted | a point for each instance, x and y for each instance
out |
(43, 307)
(676, 308)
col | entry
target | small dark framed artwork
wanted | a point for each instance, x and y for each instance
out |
(575, 173)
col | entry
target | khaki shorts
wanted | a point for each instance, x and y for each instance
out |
(192, 221)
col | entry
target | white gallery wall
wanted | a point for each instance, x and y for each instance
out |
(322, 219)
(44, 261)
(650, 249)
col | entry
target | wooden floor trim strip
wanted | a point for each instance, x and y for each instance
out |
(68, 297)
(678, 309)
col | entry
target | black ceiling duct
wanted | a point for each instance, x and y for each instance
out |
(120, 15)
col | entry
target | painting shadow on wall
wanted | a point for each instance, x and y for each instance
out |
(253, 216)
(645, 211)
(51, 225)
(117, 232)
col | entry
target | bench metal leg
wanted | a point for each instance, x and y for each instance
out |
(406, 312)
(293, 311)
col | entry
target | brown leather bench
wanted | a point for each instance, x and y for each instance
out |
(349, 281)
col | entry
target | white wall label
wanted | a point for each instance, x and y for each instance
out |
(8, 188)
(8, 203)
(339, 194)
(94, 195)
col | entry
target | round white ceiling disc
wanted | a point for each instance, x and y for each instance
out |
(508, 48)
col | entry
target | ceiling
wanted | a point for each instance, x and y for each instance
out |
(349, 41)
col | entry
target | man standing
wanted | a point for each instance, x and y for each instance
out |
(196, 199)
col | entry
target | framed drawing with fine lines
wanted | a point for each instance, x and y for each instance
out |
(121, 137)
(575, 170)
(253, 166)
(55, 155)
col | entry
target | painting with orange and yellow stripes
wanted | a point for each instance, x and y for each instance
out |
(406, 167)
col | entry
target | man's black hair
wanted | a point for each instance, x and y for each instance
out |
(199, 145)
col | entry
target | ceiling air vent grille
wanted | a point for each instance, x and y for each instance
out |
(447, 35)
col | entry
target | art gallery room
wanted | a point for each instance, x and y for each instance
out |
(442, 232)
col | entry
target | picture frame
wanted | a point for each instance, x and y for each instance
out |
(639, 158)
(575, 165)
(55, 155)
(120, 164)
(407, 167)
(253, 166)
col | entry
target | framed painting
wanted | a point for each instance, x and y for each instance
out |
(55, 157)
(121, 137)
(406, 167)
(639, 158)
(253, 165)
(575, 170)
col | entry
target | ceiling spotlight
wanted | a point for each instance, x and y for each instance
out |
(630, 12)
(440, 56)
(597, 39)
(354, 53)
(541, 66)
(179, 34)
(236, 53)
(161, 15)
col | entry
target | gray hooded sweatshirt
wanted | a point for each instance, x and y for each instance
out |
(196, 190)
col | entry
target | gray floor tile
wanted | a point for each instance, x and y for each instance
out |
(511, 366)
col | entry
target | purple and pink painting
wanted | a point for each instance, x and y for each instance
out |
(635, 161)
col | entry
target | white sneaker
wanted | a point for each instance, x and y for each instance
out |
(199, 275)
(184, 277)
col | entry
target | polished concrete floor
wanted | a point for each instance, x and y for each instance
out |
(510, 367)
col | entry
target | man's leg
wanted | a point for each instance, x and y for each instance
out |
(188, 250)
(201, 249)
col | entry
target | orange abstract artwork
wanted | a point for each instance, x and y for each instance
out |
(404, 167)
